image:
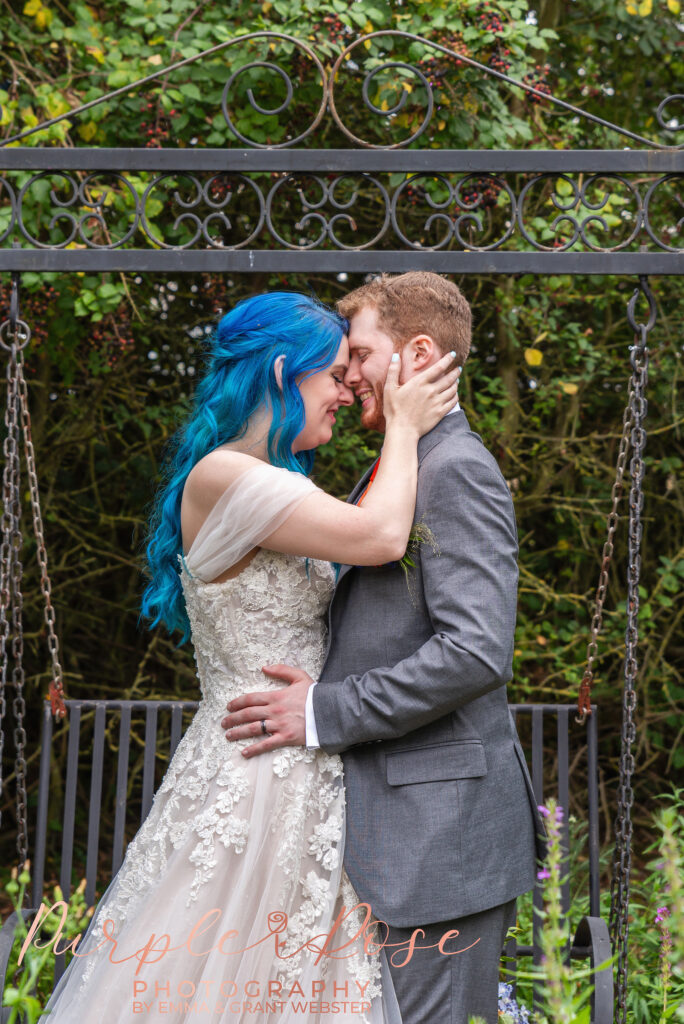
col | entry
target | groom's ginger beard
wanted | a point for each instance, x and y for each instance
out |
(373, 417)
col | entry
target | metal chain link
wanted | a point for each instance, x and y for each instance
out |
(620, 881)
(56, 685)
(584, 696)
(8, 447)
(11, 602)
(14, 337)
(18, 679)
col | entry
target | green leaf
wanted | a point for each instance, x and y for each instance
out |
(563, 187)
(190, 91)
(359, 17)
(108, 290)
(120, 77)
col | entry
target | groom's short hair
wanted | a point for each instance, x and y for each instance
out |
(418, 302)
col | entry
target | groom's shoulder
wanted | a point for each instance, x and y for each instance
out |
(456, 445)
(460, 452)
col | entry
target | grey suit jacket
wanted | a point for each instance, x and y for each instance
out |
(441, 817)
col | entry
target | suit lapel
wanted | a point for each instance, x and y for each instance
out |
(360, 485)
(456, 423)
(344, 569)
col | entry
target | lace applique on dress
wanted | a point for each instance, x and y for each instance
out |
(256, 839)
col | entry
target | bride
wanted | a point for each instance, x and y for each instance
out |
(232, 903)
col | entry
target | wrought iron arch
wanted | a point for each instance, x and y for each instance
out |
(449, 211)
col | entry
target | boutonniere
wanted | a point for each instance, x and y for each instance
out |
(420, 534)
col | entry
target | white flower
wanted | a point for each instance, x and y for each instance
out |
(283, 761)
(203, 856)
(322, 843)
(315, 889)
(330, 763)
(194, 788)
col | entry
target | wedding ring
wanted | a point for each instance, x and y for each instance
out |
(263, 727)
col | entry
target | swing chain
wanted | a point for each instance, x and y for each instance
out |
(638, 349)
(14, 337)
(620, 880)
(584, 698)
(56, 692)
(11, 570)
(5, 548)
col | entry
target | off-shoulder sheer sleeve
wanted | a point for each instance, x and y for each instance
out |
(255, 504)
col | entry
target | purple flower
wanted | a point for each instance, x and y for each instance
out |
(545, 873)
(507, 1004)
(544, 811)
(663, 912)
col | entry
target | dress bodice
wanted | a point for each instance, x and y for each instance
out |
(273, 611)
(257, 840)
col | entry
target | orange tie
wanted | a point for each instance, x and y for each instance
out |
(367, 488)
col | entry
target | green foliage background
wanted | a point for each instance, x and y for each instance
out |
(113, 358)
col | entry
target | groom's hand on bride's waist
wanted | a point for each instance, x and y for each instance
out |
(277, 716)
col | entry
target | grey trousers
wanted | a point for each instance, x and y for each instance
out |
(434, 988)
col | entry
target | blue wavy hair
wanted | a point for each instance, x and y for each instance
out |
(239, 378)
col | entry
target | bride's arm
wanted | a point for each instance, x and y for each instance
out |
(324, 527)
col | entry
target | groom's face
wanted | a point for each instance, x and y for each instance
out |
(370, 352)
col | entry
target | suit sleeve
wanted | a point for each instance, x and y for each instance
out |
(470, 589)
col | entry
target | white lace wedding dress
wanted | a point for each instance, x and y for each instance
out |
(237, 848)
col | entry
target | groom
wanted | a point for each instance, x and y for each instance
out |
(442, 825)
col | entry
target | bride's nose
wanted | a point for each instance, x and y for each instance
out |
(345, 394)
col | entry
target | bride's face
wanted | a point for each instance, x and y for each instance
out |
(323, 393)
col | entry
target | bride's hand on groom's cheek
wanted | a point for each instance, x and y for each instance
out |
(277, 716)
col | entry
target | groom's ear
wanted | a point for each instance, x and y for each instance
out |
(419, 353)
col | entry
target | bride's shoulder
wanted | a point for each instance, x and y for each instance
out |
(215, 472)
(213, 476)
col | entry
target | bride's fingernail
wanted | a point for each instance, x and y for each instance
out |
(453, 355)
(395, 357)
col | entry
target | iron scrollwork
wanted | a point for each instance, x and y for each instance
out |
(193, 198)
(92, 203)
(343, 210)
(330, 193)
(347, 62)
(581, 226)
(460, 207)
(260, 72)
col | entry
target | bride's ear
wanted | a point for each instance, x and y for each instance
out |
(278, 371)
